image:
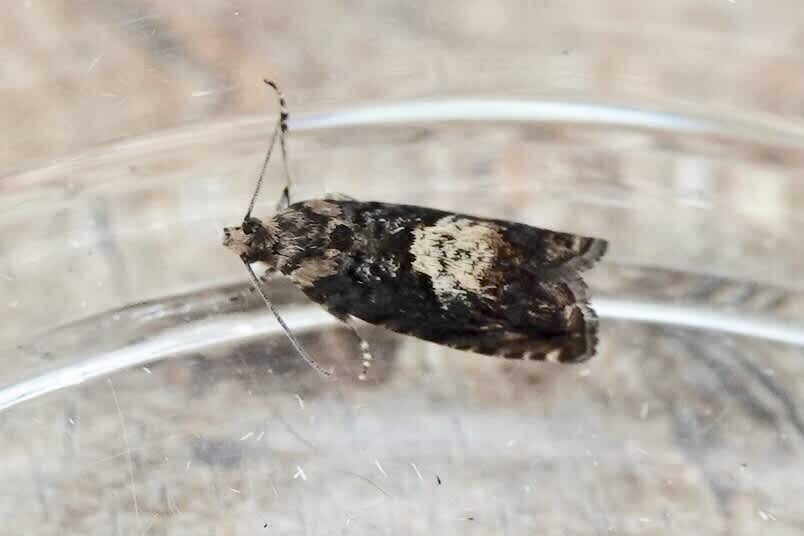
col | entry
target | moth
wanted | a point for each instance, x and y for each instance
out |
(488, 286)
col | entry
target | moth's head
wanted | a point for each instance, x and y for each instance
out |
(252, 241)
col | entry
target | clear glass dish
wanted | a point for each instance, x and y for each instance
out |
(146, 390)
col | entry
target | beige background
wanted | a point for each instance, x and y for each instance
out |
(79, 74)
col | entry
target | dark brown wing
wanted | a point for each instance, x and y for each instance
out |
(554, 324)
(555, 320)
(487, 286)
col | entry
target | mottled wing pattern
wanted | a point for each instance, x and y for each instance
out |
(488, 286)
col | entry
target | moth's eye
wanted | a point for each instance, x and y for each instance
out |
(251, 225)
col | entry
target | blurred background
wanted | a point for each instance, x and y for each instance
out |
(85, 73)
(143, 389)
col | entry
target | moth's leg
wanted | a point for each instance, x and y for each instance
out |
(365, 349)
(299, 348)
(268, 276)
(265, 278)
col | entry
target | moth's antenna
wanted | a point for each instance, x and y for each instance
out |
(309, 360)
(284, 200)
(262, 173)
(280, 130)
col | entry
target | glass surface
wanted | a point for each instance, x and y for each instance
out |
(152, 388)
(144, 388)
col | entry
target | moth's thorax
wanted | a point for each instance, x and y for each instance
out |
(308, 233)
(292, 237)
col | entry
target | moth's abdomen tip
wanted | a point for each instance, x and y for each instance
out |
(591, 252)
(567, 358)
(580, 347)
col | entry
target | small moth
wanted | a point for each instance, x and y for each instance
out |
(488, 286)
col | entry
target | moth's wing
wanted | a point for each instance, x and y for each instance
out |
(535, 308)
(551, 320)
(533, 304)
(549, 252)
(498, 338)
(551, 261)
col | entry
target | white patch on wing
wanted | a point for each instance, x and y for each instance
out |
(457, 254)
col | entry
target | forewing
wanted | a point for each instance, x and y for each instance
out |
(488, 286)
(543, 320)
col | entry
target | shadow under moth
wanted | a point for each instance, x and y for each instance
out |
(488, 286)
